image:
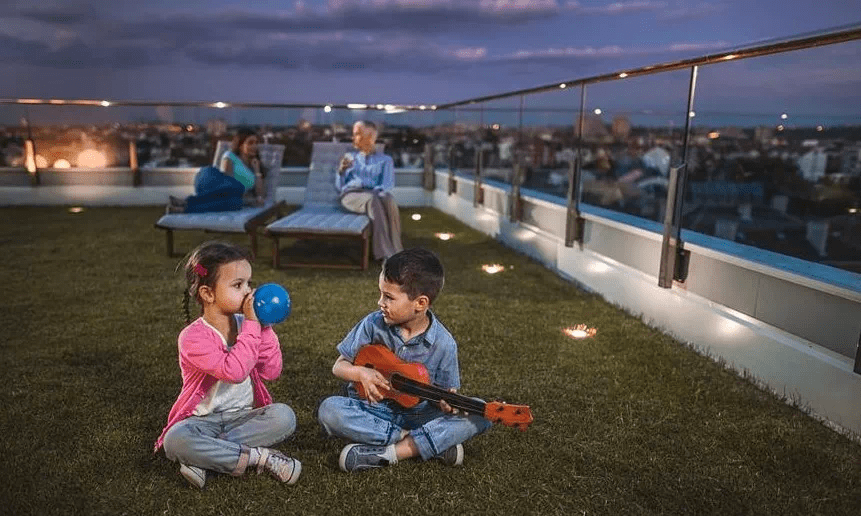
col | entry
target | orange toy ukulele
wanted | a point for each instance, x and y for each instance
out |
(411, 383)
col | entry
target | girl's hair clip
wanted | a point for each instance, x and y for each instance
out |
(200, 270)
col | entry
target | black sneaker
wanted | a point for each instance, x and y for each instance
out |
(453, 456)
(361, 457)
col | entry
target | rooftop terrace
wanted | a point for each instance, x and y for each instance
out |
(627, 421)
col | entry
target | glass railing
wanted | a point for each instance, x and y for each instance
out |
(763, 145)
(759, 157)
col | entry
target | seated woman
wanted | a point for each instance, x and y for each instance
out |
(238, 182)
(366, 179)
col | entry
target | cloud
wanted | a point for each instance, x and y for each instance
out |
(607, 52)
(72, 55)
(615, 8)
(692, 12)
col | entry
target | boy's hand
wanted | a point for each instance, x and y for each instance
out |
(448, 409)
(248, 307)
(374, 383)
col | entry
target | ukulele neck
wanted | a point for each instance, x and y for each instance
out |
(436, 394)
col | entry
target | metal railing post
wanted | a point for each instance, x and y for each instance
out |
(516, 203)
(452, 182)
(429, 177)
(574, 222)
(133, 163)
(478, 191)
(30, 161)
(857, 368)
(674, 258)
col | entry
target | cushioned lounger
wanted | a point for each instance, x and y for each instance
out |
(321, 215)
(247, 220)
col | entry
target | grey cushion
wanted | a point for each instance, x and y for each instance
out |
(322, 220)
(322, 212)
(223, 221)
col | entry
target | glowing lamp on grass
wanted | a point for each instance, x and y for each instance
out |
(76, 209)
(445, 236)
(416, 216)
(492, 268)
(581, 331)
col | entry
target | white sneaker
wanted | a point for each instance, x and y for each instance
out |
(284, 468)
(195, 476)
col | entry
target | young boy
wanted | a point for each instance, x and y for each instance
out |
(382, 431)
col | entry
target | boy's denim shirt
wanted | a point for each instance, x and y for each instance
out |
(435, 348)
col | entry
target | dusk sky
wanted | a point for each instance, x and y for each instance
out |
(399, 51)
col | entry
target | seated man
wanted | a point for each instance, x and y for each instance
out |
(366, 179)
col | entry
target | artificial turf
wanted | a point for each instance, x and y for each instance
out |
(626, 422)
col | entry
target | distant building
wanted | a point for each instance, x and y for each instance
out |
(621, 128)
(850, 160)
(763, 134)
(216, 127)
(812, 165)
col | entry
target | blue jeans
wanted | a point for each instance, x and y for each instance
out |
(220, 441)
(214, 191)
(381, 424)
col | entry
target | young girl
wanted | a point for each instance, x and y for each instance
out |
(224, 417)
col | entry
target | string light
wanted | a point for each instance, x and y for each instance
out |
(445, 236)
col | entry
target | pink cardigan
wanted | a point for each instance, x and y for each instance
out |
(203, 360)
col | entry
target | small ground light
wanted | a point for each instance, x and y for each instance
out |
(581, 331)
(445, 236)
(417, 216)
(76, 209)
(492, 268)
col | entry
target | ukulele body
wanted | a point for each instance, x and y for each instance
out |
(381, 358)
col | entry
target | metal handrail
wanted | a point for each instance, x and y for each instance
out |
(831, 36)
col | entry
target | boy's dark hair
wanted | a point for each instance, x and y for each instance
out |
(418, 272)
(202, 265)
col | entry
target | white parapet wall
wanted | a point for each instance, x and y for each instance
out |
(114, 188)
(620, 262)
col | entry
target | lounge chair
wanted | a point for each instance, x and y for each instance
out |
(321, 215)
(248, 219)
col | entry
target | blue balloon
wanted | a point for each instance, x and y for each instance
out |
(271, 303)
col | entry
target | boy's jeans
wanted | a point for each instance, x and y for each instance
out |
(381, 424)
(216, 441)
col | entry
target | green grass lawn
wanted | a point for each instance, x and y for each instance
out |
(627, 422)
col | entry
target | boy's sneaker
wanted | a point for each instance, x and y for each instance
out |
(453, 456)
(361, 457)
(284, 468)
(195, 476)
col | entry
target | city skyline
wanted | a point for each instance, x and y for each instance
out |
(417, 51)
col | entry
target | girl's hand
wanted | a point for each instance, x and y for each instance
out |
(374, 383)
(248, 307)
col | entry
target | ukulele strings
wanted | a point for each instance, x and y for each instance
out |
(436, 394)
